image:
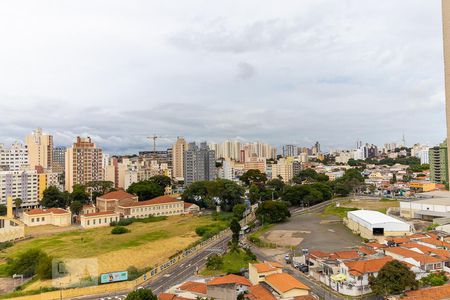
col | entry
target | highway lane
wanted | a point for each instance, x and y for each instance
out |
(187, 268)
(174, 275)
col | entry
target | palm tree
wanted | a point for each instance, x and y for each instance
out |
(17, 203)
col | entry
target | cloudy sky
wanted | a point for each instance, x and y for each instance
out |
(278, 71)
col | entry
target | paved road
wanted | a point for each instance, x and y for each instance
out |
(176, 275)
(187, 268)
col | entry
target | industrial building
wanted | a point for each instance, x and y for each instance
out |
(371, 224)
(427, 206)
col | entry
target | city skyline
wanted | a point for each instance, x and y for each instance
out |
(223, 71)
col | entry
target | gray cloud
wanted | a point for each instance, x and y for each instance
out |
(333, 71)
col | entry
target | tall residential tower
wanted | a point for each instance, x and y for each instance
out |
(446, 31)
(84, 163)
(40, 149)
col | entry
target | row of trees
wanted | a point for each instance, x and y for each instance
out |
(79, 196)
(310, 187)
(210, 194)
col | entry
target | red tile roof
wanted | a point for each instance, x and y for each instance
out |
(194, 287)
(433, 293)
(230, 279)
(53, 210)
(258, 292)
(167, 296)
(102, 213)
(344, 254)
(434, 242)
(117, 195)
(267, 267)
(359, 267)
(366, 250)
(422, 258)
(157, 200)
(284, 282)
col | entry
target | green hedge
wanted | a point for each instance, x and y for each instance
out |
(119, 230)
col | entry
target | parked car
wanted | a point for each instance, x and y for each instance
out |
(304, 268)
(287, 258)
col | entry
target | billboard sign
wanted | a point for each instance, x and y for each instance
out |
(114, 277)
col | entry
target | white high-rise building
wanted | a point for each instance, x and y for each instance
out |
(40, 149)
(14, 158)
(20, 184)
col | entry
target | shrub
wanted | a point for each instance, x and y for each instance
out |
(125, 222)
(434, 279)
(119, 230)
(5, 245)
(31, 262)
(214, 262)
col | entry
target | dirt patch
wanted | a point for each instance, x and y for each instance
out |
(370, 204)
(284, 238)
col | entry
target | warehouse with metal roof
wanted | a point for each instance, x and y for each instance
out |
(372, 224)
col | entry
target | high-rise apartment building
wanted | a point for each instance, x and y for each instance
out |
(199, 163)
(40, 149)
(59, 159)
(14, 158)
(290, 150)
(20, 184)
(283, 170)
(84, 163)
(178, 150)
(438, 158)
(446, 32)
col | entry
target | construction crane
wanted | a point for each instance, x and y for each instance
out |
(153, 137)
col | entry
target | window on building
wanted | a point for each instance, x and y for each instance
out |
(88, 222)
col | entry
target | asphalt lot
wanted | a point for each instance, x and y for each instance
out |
(322, 235)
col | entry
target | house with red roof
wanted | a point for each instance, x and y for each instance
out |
(353, 277)
(51, 216)
(159, 206)
(110, 201)
(227, 287)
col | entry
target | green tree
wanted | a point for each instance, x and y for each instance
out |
(31, 262)
(75, 207)
(79, 194)
(394, 178)
(162, 181)
(17, 204)
(214, 262)
(393, 279)
(53, 197)
(3, 210)
(252, 176)
(238, 211)
(100, 187)
(276, 185)
(145, 190)
(229, 193)
(197, 193)
(434, 279)
(142, 294)
(322, 178)
(306, 174)
(235, 228)
(272, 212)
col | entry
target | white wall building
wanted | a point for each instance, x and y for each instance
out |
(21, 184)
(14, 158)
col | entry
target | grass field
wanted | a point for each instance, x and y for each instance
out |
(233, 262)
(341, 211)
(146, 245)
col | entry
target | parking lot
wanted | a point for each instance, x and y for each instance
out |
(315, 231)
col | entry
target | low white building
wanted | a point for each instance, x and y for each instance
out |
(52, 216)
(159, 206)
(98, 219)
(427, 206)
(372, 224)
